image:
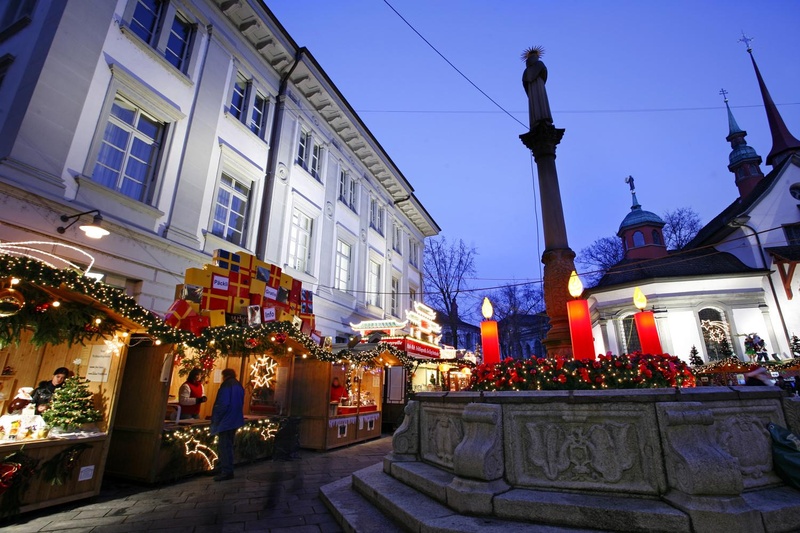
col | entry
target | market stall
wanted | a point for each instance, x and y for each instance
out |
(339, 398)
(239, 313)
(57, 320)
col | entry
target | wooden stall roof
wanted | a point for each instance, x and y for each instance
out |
(72, 296)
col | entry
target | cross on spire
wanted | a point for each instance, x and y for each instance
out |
(724, 94)
(746, 40)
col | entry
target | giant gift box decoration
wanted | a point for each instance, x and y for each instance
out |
(230, 285)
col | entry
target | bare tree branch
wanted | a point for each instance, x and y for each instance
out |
(446, 267)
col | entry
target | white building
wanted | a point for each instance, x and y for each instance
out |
(736, 277)
(193, 125)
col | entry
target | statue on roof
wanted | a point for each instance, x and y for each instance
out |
(533, 80)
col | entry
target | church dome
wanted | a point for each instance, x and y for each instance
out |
(639, 216)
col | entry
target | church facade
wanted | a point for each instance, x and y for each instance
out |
(736, 277)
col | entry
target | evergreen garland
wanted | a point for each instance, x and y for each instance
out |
(72, 406)
(16, 471)
(59, 468)
(795, 345)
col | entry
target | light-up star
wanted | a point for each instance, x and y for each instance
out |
(194, 446)
(263, 371)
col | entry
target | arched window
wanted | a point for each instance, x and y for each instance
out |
(638, 239)
(716, 333)
(630, 335)
(656, 237)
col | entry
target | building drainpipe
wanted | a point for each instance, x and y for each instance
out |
(272, 159)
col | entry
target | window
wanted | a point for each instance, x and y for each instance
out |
(129, 151)
(342, 270)
(178, 43)
(309, 154)
(158, 24)
(238, 96)
(14, 16)
(374, 284)
(343, 185)
(395, 303)
(412, 296)
(300, 241)
(656, 237)
(316, 152)
(413, 253)
(348, 188)
(716, 334)
(638, 239)
(230, 211)
(792, 233)
(258, 115)
(630, 335)
(376, 215)
(397, 239)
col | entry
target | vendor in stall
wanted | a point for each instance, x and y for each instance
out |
(43, 394)
(337, 391)
(191, 395)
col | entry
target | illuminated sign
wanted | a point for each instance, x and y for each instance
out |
(413, 347)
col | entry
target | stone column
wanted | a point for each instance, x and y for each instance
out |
(558, 258)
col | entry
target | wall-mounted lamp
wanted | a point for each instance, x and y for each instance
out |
(93, 230)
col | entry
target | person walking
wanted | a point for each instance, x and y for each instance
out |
(227, 416)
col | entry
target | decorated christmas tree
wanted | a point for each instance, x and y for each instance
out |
(694, 357)
(72, 406)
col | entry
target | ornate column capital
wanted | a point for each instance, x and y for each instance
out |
(542, 139)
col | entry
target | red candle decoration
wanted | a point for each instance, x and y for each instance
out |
(580, 323)
(490, 340)
(646, 326)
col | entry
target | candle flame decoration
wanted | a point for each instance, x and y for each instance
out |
(575, 286)
(486, 309)
(639, 299)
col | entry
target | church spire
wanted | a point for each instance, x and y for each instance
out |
(783, 142)
(743, 160)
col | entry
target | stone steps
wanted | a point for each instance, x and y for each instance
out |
(372, 492)
(415, 497)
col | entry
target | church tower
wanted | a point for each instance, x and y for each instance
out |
(641, 231)
(784, 143)
(743, 161)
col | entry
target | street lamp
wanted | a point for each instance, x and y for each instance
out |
(93, 230)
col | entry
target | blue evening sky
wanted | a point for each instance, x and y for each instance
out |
(634, 83)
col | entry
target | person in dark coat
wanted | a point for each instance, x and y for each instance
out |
(44, 392)
(227, 416)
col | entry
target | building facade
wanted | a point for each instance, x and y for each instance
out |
(195, 125)
(736, 277)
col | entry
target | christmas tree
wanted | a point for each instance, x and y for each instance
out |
(72, 406)
(694, 357)
(795, 345)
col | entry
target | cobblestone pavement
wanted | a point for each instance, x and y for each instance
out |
(268, 496)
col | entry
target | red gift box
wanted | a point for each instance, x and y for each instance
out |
(196, 324)
(271, 311)
(308, 324)
(214, 302)
(295, 291)
(238, 285)
(179, 310)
